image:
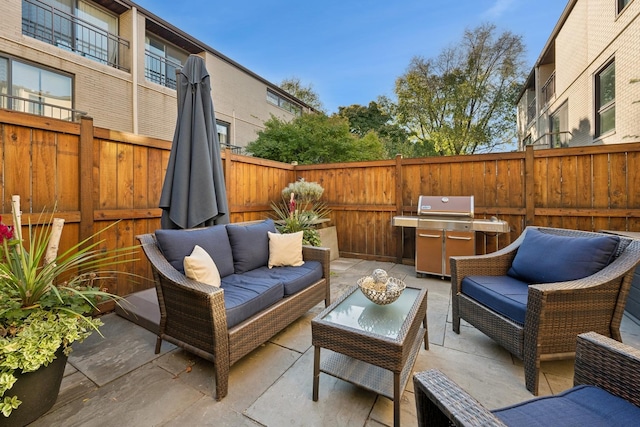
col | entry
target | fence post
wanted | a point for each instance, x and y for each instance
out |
(399, 231)
(86, 177)
(529, 186)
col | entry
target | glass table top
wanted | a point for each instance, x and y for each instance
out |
(357, 312)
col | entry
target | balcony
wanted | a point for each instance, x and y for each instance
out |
(53, 26)
(160, 70)
(548, 90)
(40, 108)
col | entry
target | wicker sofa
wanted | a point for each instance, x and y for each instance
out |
(612, 367)
(223, 324)
(539, 320)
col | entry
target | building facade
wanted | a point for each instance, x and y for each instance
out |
(116, 62)
(584, 88)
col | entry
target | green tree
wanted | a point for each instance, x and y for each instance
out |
(306, 94)
(314, 138)
(463, 102)
(375, 118)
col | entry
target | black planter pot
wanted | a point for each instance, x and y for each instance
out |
(38, 392)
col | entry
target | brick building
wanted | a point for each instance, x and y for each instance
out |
(584, 88)
(116, 62)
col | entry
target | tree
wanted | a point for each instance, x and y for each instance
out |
(304, 93)
(374, 118)
(314, 138)
(463, 101)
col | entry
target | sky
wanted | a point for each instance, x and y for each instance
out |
(349, 51)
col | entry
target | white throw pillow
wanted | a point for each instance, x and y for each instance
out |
(285, 249)
(199, 266)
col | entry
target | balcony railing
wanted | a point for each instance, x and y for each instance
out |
(549, 89)
(58, 28)
(531, 111)
(40, 108)
(160, 70)
(553, 140)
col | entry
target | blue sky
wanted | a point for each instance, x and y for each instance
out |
(349, 51)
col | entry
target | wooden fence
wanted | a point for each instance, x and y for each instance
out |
(96, 176)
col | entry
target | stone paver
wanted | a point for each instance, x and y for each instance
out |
(119, 381)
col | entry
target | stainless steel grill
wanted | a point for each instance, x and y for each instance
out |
(445, 226)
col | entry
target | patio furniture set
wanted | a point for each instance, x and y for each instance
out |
(533, 297)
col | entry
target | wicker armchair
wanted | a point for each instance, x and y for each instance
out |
(193, 314)
(600, 361)
(555, 312)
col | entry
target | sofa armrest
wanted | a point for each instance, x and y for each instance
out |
(441, 402)
(198, 305)
(609, 364)
(316, 253)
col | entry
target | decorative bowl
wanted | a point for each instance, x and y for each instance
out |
(392, 292)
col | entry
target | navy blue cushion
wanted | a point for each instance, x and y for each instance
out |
(294, 279)
(177, 244)
(250, 244)
(245, 296)
(503, 294)
(548, 258)
(579, 406)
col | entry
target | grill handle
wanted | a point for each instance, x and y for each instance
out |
(458, 238)
(430, 213)
(430, 235)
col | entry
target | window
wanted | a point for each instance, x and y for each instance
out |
(74, 25)
(606, 99)
(31, 89)
(223, 134)
(622, 4)
(285, 104)
(559, 127)
(161, 61)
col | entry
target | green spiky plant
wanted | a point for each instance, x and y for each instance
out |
(46, 306)
(304, 214)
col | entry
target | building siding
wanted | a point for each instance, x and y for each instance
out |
(106, 93)
(591, 36)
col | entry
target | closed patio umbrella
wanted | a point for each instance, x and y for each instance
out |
(194, 193)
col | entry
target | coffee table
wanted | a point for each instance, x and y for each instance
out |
(372, 346)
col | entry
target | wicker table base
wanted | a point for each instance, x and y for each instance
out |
(363, 356)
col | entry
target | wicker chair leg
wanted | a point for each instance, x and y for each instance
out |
(532, 373)
(158, 345)
(222, 382)
(456, 324)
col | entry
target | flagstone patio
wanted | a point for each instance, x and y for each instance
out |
(119, 381)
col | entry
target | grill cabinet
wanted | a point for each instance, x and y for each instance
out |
(445, 227)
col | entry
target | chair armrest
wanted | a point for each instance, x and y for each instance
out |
(187, 300)
(609, 364)
(440, 402)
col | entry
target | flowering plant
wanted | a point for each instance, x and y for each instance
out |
(301, 210)
(46, 302)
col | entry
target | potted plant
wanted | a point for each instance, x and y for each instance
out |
(46, 302)
(301, 210)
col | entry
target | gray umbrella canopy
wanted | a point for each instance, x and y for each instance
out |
(194, 193)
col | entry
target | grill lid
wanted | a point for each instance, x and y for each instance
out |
(443, 206)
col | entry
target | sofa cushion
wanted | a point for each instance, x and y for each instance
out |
(547, 258)
(285, 249)
(294, 279)
(250, 244)
(245, 296)
(583, 405)
(199, 266)
(177, 244)
(503, 294)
